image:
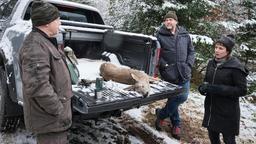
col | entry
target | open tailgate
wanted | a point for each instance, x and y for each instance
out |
(84, 100)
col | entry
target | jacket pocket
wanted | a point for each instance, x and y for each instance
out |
(170, 73)
(66, 115)
(185, 71)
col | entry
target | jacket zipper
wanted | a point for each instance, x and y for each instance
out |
(211, 96)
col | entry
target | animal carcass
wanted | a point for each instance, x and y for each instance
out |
(138, 79)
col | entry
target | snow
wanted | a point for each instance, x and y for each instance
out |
(89, 69)
(162, 135)
(135, 140)
(16, 31)
(135, 34)
(252, 77)
(248, 117)
(210, 3)
(201, 39)
(136, 113)
(19, 137)
(233, 26)
(168, 4)
(229, 25)
(251, 22)
(194, 106)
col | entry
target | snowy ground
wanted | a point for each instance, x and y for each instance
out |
(114, 130)
(192, 115)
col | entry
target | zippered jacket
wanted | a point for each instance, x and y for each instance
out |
(227, 82)
(177, 55)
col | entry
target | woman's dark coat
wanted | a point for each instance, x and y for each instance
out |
(177, 55)
(227, 83)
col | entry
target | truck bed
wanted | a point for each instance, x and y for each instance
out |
(114, 97)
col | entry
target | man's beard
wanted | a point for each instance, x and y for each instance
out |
(170, 27)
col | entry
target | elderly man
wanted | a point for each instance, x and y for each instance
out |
(176, 60)
(47, 93)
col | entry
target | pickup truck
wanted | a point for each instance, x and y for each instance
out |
(84, 31)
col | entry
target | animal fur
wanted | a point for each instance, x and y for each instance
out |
(138, 79)
(70, 53)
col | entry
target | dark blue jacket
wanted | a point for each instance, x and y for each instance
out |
(177, 55)
(227, 82)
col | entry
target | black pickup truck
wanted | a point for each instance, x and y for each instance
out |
(84, 31)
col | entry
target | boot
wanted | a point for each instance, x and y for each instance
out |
(158, 122)
(176, 132)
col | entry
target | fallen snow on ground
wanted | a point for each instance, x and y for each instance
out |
(248, 117)
(21, 136)
(193, 109)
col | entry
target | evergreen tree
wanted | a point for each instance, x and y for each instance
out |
(119, 11)
(246, 33)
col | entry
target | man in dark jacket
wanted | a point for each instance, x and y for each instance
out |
(224, 83)
(176, 60)
(46, 80)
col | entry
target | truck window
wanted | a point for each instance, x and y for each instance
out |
(6, 7)
(73, 14)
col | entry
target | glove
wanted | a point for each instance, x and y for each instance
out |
(203, 88)
(212, 89)
(215, 89)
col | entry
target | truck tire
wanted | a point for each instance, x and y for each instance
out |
(8, 122)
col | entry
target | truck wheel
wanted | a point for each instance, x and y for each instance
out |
(8, 122)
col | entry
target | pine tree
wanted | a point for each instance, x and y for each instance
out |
(246, 33)
(119, 11)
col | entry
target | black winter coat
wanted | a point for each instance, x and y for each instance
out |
(227, 82)
(177, 55)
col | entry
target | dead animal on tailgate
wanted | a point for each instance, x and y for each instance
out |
(138, 79)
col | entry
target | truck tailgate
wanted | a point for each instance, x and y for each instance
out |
(84, 101)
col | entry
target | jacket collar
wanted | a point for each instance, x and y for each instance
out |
(164, 31)
(53, 40)
(233, 63)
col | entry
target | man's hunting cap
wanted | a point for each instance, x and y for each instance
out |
(171, 14)
(43, 13)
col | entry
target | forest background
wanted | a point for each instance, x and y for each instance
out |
(206, 20)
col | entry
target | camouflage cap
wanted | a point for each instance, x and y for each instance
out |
(43, 13)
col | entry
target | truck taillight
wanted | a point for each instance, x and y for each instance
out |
(156, 62)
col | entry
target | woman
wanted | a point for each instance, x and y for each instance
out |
(224, 83)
